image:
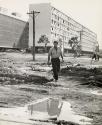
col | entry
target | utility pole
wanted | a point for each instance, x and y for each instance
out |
(63, 44)
(80, 34)
(33, 13)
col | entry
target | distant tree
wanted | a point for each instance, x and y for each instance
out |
(75, 45)
(44, 39)
(60, 42)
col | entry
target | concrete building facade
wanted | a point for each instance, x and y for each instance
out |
(13, 31)
(57, 25)
(17, 33)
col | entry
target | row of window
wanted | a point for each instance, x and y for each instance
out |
(64, 33)
(71, 27)
(70, 34)
(61, 31)
(86, 46)
(63, 27)
(55, 35)
(87, 49)
(90, 32)
(87, 41)
(90, 37)
(60, 14)
(65, 21)
(67, 24)
(62, 18)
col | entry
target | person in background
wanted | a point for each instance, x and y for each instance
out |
(94, 56)
(55, 52)
(95, 53)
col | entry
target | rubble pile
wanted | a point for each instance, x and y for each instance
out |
(90, 77)
(11, 74)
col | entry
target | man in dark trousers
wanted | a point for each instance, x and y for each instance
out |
(55, 52)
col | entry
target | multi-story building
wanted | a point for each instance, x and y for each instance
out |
(18, 33)
(57, 25)
(13, 31)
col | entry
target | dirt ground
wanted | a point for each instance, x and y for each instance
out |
(23, 81)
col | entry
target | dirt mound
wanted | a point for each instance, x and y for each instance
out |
(90, 77)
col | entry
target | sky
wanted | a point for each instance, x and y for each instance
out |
(86, 12)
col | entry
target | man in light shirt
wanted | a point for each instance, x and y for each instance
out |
(55, 52)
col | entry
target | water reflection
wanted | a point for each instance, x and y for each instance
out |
(97, 92)
(44, 109)
(50, 108)
(53, 108)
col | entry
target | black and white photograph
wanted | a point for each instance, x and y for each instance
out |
(50, 62)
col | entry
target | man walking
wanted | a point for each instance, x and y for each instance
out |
(55, 52)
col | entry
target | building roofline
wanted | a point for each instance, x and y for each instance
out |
(65, 15)
(39, 3)
(14, 17)
(74, 20)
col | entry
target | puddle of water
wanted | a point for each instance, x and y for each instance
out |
(44, 109)
(68, 115)
(97, 92)
(92, 66)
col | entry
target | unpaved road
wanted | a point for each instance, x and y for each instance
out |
(20, 85)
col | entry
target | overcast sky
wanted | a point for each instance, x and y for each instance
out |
(86, 12)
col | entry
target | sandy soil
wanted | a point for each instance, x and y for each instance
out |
(23, 81)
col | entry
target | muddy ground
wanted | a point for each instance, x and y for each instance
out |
(23, 81)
